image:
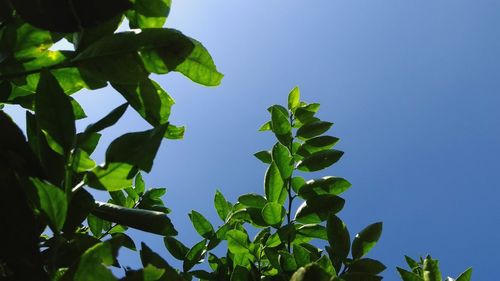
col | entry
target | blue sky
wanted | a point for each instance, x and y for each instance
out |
(413, 90)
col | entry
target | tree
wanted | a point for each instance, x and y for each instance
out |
(45, 180)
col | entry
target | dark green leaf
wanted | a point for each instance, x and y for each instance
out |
(194, 255)
(317, 144)
(283, 159)
(54, 114)
(176, 248)
(325, 185)
(281, 125)
(92, 264)
(222, 206)
(150, 257)
(240, 273)
(317, 209)
(273, 183)
(305, 112)
(314, 231)
(87, 142)
(145, 220)
(319, 160)
(52, 202)
(95, 224)
(62, 16)
(310, 272)
(252, 200)
(465, 276)
(264, 156)
(161, 51)
(148, 13)
(357, 276)
(313, 129)
(338, 238)
(149, 100)
(273, 213)
(201, 224)
(366, 239)
(141, 148)
(367, 265)
(108, 120)
(408, 276)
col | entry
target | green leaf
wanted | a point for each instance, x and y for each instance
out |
(145, 220)
(150, 257)
(338, 238)
(294, 98)
(161, 51)
(287, 261)
(140, 186)
(301, 255)
(78, 111)
(54, 114)
(313, 230)
(281, 125)
(273, 213)
(252, 200)
(317, 209)
(65, 16)
(141, 148)
(95, 224)
(174, 132)
(149, 100)
(265, 127)
(52, 202)
(283, 159)
(326, 185)
(108, 120)
(327, 265)
(92, 264)
(466, 275)
(431, 270)
(112, 177)
(202, 225)
(366, 239)
(310, 272)
(237, 241)
(240, 273)
(313, 129)
(297, 183)
(222, 206)
(408, 276)
(367, 265)
(319, 160)
(305, 113)
(175, 248)
(317, 144)
(82, 161)
(273, 183)
(148, 13)
(194, 255)
(265, 156)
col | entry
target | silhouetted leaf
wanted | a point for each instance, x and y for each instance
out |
(325, 185)
(201, 224)
(264, 156)
(108, 120)
(176, 248)
(319, 160)
(338, 238)
(316, 210)
(366, 239)
(313, 129)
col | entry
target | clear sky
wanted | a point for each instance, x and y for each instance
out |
(412, 86)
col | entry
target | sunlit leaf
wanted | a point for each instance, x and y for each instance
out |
(52, 202)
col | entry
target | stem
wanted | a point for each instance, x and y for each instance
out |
(289, 187)
(28, 72)
(68, 177)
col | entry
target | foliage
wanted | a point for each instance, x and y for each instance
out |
(53, 228)
(428, 270)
